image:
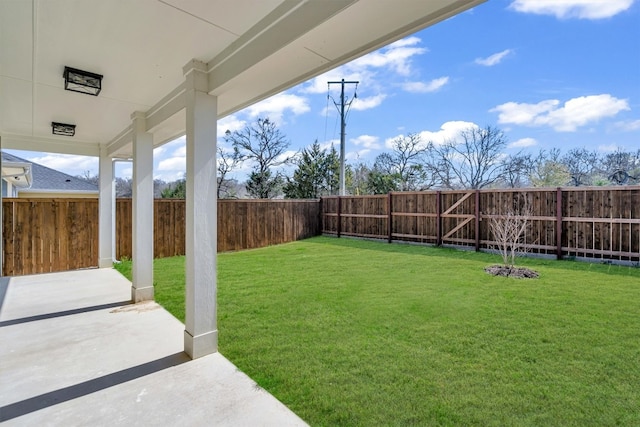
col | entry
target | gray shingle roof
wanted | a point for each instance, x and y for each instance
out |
(47, 179)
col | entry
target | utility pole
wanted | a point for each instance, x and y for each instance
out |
(343, 125)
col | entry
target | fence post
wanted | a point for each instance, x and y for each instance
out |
(559, 223)
(438, 218)
(477, 213)
(339, 220)
(320, 217)
(389, 218)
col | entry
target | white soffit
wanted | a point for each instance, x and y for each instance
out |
(254, 49)
(17, 173)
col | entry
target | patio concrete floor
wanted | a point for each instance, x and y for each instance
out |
(75, 351)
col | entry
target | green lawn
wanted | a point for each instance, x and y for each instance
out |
(349, 332)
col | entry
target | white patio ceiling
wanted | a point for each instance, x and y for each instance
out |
(252, 48)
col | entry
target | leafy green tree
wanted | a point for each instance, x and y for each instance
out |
(263, 185)
(356, 179)
(316, 174)
(175, 190)
(548, 170)
(382, 182)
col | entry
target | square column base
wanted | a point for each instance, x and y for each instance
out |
(141, 294)
(201, 345)
(105, 263)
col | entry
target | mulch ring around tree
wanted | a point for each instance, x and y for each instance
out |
(506, 271)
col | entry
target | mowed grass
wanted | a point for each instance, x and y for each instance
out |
(359, 333)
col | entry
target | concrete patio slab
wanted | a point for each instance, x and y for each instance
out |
(75, 351)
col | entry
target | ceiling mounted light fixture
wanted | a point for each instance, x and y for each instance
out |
(82, 81)
(63, 129)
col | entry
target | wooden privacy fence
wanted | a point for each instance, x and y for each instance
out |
(47, 235)
(242, 224)
(579, 221)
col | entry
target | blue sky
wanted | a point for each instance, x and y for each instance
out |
(549, 73)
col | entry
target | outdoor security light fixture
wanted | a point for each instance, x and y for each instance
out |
(63, 129)
(82, 81)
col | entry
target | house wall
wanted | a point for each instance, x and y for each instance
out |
(8, 190)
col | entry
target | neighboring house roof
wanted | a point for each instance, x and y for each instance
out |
(45, 179)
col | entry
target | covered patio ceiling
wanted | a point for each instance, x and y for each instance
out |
(252, 49)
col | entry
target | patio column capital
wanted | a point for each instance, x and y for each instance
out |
(139, 120)
(196, 76)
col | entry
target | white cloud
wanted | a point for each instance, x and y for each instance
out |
(69, 164)
(421, 87)
(361, 104)
(408, 41)
(494, 59)
(610, 148)
(171, 146)
(230, 123)
(286, 155)
(273, 108)
(395, 58)
(574, 113)
(523, 114)
(629, 126)
(328, 144)
(320, 83)
(158, 151)
(173, 164)
(564, 9)
(524, 142)
(180, 151)
(125, 173)
(449, 131)
(171, 160)
(353, 156)
(366, 141)
(170, 176)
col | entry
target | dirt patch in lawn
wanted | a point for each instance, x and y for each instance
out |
(506, 271)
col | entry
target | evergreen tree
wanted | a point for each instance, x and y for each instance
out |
(317, 174)
(175, 190)
(262, 185)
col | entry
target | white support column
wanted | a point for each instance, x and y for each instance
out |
(1, 217)
(142, 227)
(201, 331)
(113, 211)
(106, 218)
